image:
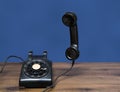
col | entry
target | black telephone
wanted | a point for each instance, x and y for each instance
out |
(37, 70)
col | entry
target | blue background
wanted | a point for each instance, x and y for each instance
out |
(36, 25)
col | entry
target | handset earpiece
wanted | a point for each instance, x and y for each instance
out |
(70, 20)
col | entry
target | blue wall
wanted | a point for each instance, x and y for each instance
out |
(36, 25)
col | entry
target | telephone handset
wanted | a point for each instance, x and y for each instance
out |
(70, 20)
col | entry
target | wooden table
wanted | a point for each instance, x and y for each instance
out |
(84, 77)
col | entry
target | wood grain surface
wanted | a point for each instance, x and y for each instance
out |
(84, 77)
